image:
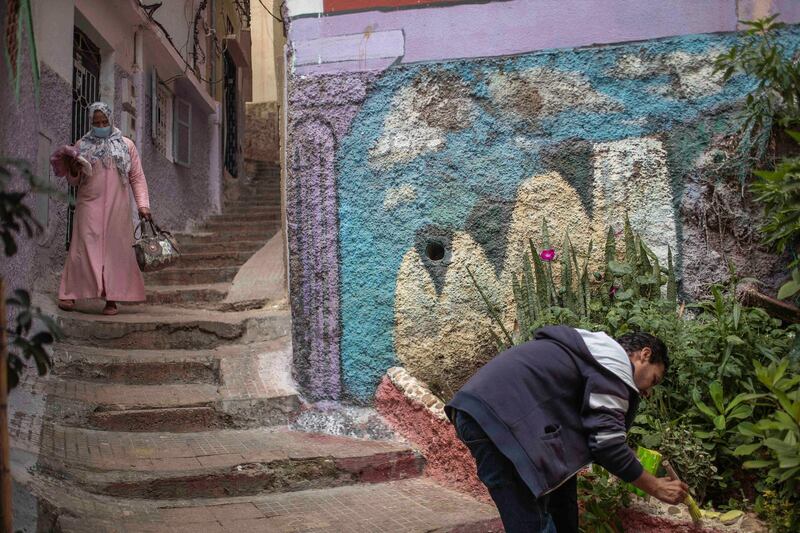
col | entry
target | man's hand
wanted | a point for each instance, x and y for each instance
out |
(671, 491)
(664, 489)
(144, 214)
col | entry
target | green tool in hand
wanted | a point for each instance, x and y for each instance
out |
(650, 460)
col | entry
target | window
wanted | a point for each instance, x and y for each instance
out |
(182, 133)
(162, 117)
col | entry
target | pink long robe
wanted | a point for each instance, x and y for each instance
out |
(101, 262)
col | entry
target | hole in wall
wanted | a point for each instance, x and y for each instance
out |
(434, 250)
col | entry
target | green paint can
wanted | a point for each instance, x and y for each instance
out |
(651, 461)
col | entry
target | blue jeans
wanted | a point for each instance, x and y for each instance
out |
(519, 509)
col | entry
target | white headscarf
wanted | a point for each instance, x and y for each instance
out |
(105, 149)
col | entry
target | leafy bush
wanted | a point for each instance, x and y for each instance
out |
(781, 514)
(775, 101)
(16, 220)
(777, 434)
(601, 498)
(761, 55)
(681, 444)
(779, 192)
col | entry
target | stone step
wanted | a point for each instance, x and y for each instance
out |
(177, 408)
(266, 184)
(163, 327)
(247, 214)
(255, 216)
(222, 245)
(234, 386)
(135, 367)
(250, 213)
(192, 275)
(261, 234)
(187, 294)
(264, 192)
(218, 464)
(228, 227)
(154, 367)
(213, 259)
(253, 203)
(251, 208)
(415, 505)
(264, 173)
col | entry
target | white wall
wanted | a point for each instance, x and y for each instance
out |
(52, 25)
(263, 54)
(177, 17)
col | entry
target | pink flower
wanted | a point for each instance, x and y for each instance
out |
(613, 290)
(547, 255)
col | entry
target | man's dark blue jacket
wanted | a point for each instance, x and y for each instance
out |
(552, 406)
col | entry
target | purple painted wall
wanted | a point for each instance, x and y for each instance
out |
(179, 196)
(509, 27)
(320, 114)
(19, 138)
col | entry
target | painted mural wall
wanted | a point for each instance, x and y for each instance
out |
(402, 177)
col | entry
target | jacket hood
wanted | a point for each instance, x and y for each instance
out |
(596, 347)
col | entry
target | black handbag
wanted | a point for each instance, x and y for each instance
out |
(156, 251)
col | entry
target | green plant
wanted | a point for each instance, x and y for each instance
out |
(684, 447)
(774, 100)
(601, 498)
(724, 415)
(777, 435)
(761, 55)
(781, 514)
(32, 331)
(779, 192)
(578, 299)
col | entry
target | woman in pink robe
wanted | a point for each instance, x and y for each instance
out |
(101, 262)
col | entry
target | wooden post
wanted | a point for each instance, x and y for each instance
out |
(5, 448)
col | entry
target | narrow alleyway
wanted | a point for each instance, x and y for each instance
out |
(175, 415)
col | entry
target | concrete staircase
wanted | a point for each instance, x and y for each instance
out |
(212, 255)
(175, 416)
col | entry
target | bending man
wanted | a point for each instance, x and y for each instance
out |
(538, 413)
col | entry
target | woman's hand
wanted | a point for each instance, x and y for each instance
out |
(74, 166)
(144, 214)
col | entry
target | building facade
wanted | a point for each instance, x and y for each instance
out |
(176, 77)
(428, 137)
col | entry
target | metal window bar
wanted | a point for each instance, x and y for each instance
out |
(85, 91)
(231, 131)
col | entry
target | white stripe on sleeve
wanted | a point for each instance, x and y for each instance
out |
(609, 401)
(603, 438)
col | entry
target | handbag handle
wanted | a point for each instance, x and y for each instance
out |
(141, 227)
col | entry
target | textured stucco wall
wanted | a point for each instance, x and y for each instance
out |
(473, 154)
(23, 124)
(179, 195)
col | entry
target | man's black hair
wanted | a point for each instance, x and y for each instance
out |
(633, 342)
